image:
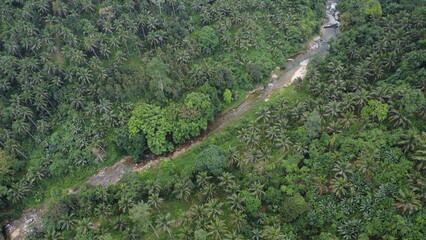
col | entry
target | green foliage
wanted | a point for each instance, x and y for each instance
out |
(140, 214)
(133, 145)
(207, 40)
(313, 125)
(153, 122)
(375, 109)
(182, 121)
(260, 66)
(160, 85)
(7, 164)
(71, 72)
(293, 207)
(303, 164)
(251, 202)
(212, 159)
(412, 100)
(200, 234)
(166, 175)
(227, 96)
(57, 193)
(106, 237)
(373, 9)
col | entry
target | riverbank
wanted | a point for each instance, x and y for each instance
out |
(111, 175)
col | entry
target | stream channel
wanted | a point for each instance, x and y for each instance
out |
(295, 67)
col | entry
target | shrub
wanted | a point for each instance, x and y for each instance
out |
(227, 96)
(293, 207)
(252, 203)
(133, 145)
(207, 40)
(212, 159)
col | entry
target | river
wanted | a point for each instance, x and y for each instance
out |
(294, 67)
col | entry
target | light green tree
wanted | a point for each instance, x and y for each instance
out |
(376, 110)
(227, 96)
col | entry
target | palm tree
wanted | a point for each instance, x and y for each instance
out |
(272, 233)
(350, 229)
(284, 143)
(119, 57)
(347, 120)
(226, 180)
(153, 186)
(236, 202)
(420, 156)
(407, 201)
(343, 169)
(417, 183)
(298, 112)
(155, 201)
(18, 191)
(134, 233)
(13, 146)
(91, 44)
(60, 8)
(251, 156)
(233, 188)
(320, 184)
(20, 126)
(301, 148)
(264, 114)
(366, 165)
(121, 223)
(408, 141)
(422, 112)
(233, 236)
(340, 186)
(239, 220)
(214, 208)
(84, 225)
(203, 179)
(361, 98)
(84, 75)
(217, 229)
(333, 109)
(257, 190)
(398, 119)
(273, 133)
(27, 113)
(43, 126)
(256, 234)
(249, 137)
(381, 93)
(51, 234)
(182, 189)
(208, 191)
(185, 233)
(125, 203)
(164, 223)
(104, 49)
(198, 215)
(102, 194)
(234, 157)
(333, 127)
(129, 5)
(67, 222)
(103, 210)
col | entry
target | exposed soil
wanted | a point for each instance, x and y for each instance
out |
(18, 228)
